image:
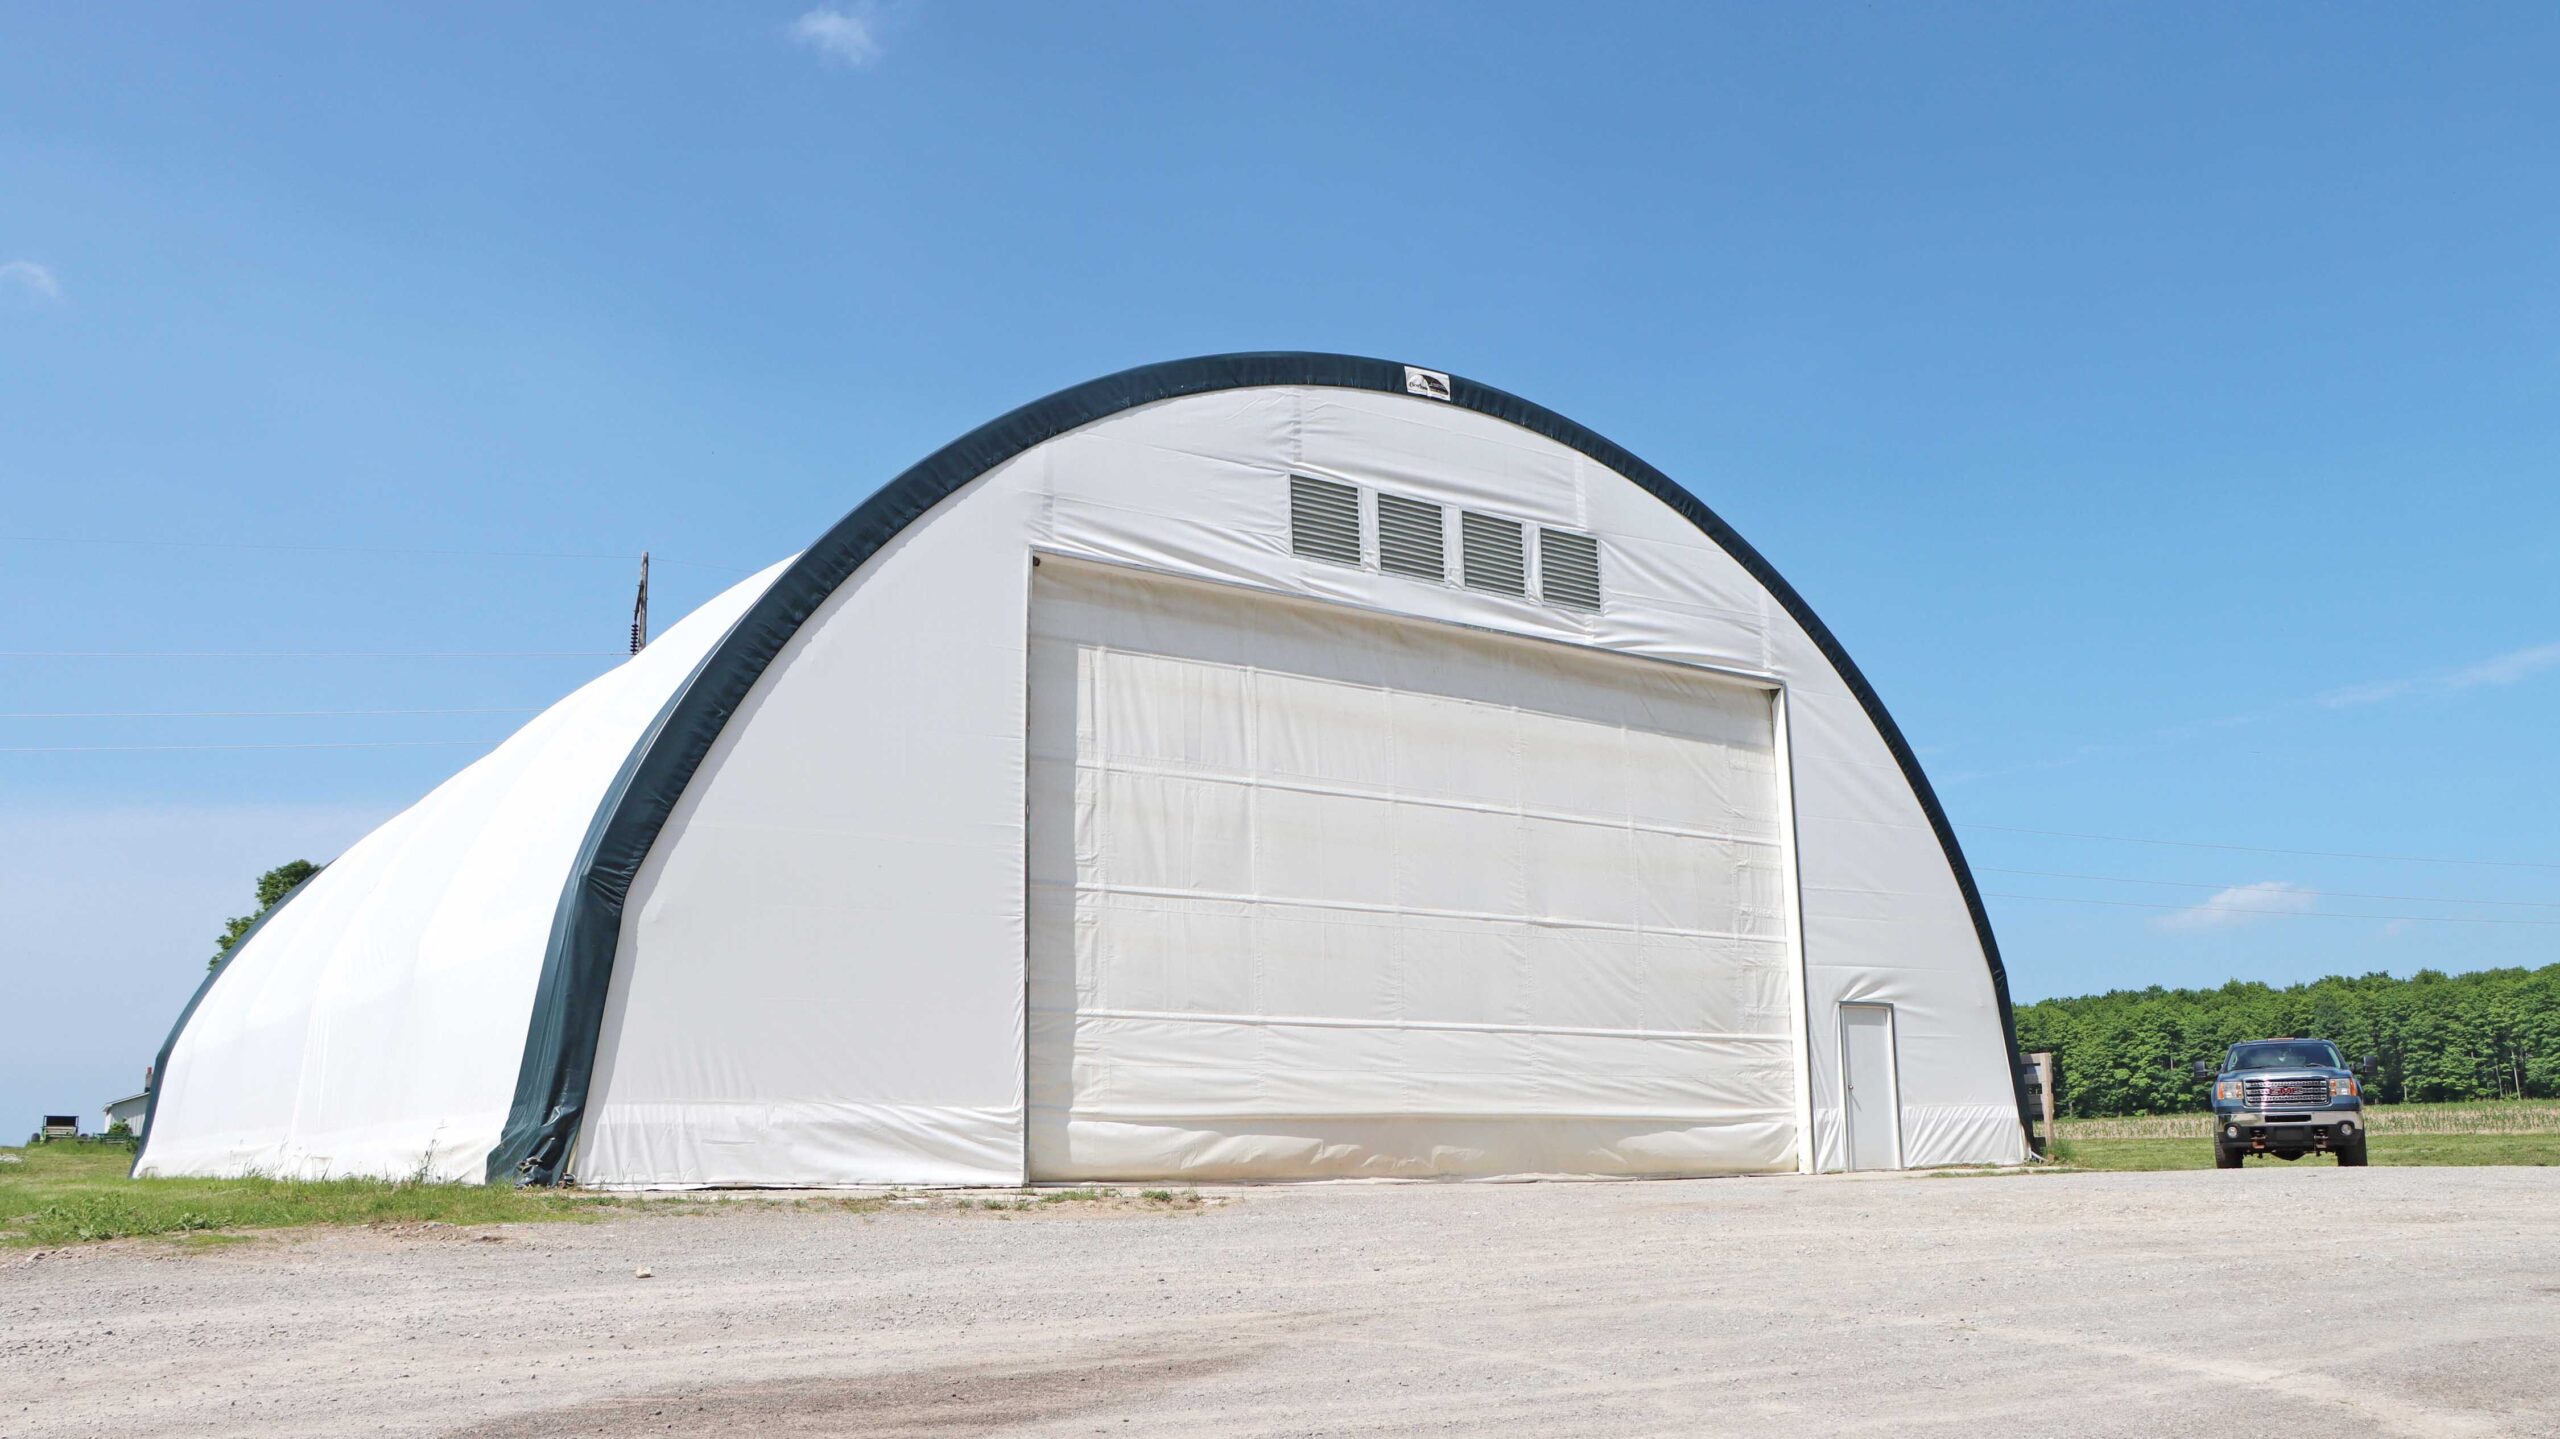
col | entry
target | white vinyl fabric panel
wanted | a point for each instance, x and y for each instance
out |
(820, 972)
(1321, 894)
(375, 1025)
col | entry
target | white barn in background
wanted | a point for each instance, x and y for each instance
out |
(130, 1111)
(1267, 766)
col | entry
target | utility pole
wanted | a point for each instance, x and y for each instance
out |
(2043, 1086)
(640, 608)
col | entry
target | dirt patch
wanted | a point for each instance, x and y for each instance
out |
(946, 1402)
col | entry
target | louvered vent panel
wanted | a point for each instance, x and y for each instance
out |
(1492, 555)
(1569, 569)
(1324, 520)
(1412, 538)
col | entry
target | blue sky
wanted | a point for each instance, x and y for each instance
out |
(2161, 402)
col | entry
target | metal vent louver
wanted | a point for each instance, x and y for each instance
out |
(1492, 554)
(1324, 520)
(1569, 569)
(1412, 538)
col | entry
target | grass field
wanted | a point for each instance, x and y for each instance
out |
(2505, 1116)
(75, 1193)
(70, 1193)
(2398, 1149)
(2508, 1132)
(67, 1193)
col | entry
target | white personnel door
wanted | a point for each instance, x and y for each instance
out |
(1868, 1090)
(1315, 892)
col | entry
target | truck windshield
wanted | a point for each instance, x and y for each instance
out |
(2285, 1054)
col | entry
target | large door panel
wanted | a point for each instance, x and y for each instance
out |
(1315, 892)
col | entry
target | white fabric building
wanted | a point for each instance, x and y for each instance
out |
(1257, 767)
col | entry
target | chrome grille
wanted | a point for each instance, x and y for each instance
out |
(2304, 1093)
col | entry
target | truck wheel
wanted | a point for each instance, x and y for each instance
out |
(2351, 1155)
(2226, 1158)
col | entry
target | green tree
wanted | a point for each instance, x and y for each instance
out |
(273, 886)
(2489, 1034)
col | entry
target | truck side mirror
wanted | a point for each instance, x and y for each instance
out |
(2201, 1069)
(2367, 1065)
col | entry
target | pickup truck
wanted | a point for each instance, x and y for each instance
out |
(2288, 1098)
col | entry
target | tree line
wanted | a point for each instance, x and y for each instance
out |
(2493, 1034)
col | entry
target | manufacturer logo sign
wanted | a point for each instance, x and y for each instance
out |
(1430, 384)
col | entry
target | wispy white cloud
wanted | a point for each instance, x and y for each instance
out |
(2373, 692)
(843, 35)
(2243, 903)
(2037, 766)
(2510, 668)
(2505, 669)
(34, 279)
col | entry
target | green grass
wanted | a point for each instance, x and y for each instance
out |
(71, 1193)
(2485, 1116)
(2387, 1148)
(2501, 1132)
(54, 1194)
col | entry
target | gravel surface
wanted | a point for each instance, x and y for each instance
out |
(2314, 1300)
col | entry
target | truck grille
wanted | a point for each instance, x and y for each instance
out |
(2285, 1093)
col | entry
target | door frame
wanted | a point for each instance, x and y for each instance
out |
(1791, 891)
(1893, 1079)
(1782, 758)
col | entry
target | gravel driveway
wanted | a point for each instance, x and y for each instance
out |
(2285, 1302)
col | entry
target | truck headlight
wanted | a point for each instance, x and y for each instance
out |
(2347, 1088)
(2227, 1091)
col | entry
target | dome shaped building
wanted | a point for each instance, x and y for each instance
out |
(1267, 766)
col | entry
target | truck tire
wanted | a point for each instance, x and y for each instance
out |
(2352, 1155)
(2226, 1158)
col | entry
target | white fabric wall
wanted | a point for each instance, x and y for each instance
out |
(821, 975)
(1319, 893)
(375, 1025)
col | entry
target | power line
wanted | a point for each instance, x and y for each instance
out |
(247, 714)
(151, 748)
(2222, 909)
(2322, 893)
(361, 550)
(313, 655)
(2265, 849)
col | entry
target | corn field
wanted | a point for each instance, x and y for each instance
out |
(2508, 1116)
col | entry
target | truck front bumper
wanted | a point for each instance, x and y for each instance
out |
(2316, 1130)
